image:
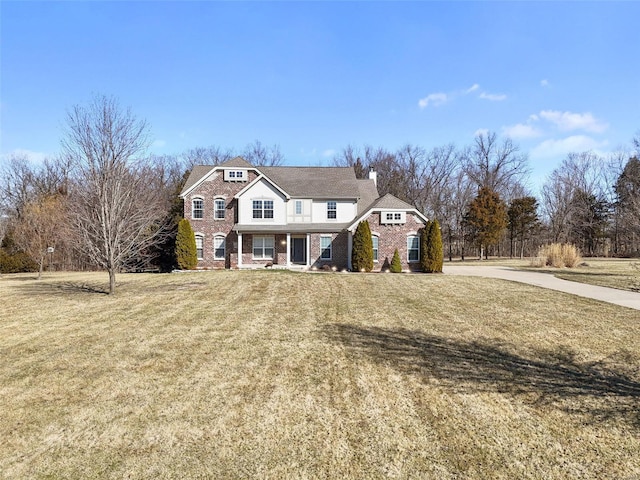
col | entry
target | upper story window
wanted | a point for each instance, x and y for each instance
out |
(199, 247)
(298, 207)
(393, 217)
(332, 210)
(235, 175)
(413, 248)
(263, 209)
(219, 209)
(197, 208)
(374, 241)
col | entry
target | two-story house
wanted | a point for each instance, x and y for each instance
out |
(248, 217)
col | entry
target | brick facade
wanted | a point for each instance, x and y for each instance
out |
(391, 237)
(214, 187)
(208, 227)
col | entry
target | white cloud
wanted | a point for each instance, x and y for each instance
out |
(435, 99)
(473, 88)
(34, 157)
(481, 131)
(556, 149)
(568, 121)
(328, 153)
(544, 83)
(494, 97)
(521, 131)
(159, 144)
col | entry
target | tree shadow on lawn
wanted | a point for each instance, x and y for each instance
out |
(599, 391)
(40, 288)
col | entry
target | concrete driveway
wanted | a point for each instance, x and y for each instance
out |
(546, 280)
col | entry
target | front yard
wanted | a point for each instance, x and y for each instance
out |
(275, 374)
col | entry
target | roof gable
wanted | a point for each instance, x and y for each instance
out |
(236, 162)
(387, 202)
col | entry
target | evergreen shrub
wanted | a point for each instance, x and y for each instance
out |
(186, 254)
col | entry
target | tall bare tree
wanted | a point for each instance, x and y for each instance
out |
(497, 165)
(115, 209)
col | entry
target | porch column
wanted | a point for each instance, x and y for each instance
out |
(288, 250)
(349, 249)
(239, 250)
(308, 250)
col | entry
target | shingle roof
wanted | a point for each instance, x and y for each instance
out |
(305, 182)
(237, 162)
(389, 201)
(314, 182)
(368, 193)
(197, 172)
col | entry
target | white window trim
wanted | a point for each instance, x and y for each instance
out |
(397, 217)
(377, 250)
(329, 248)
(224, 247)
(200, 236)
(273, 210)
(409, 235)
(193, 199)
(215, 208)
(253, 247)
(333, 210)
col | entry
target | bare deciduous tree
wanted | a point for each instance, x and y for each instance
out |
(115, 209)
(16, 184)
(496, 165)
(212, 155)
(260, 156)
(41, 226)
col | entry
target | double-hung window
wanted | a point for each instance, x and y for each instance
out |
(197, 208)
(263, 248)
(218, 247)
(325, 248)
(332, 210)
(263, 209)
(199, 247)
(413, 248)
(219, 209)
(374, 241)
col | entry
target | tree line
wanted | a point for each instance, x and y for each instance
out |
(480, 196)
(104, 203)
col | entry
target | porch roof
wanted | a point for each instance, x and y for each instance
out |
(291, 228)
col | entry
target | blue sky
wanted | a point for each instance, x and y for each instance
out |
(313, 77)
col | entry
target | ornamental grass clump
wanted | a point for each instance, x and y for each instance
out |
(558, 255)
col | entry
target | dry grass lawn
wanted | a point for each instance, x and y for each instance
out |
(620, 273)
(272, 374)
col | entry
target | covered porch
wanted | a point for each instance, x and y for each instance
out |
(279, 246)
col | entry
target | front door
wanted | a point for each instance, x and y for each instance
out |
(299, 250)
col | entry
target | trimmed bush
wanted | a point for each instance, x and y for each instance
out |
(557, 255)
(362, 253)
(186, 254)
(432, 256)
(396, 264)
